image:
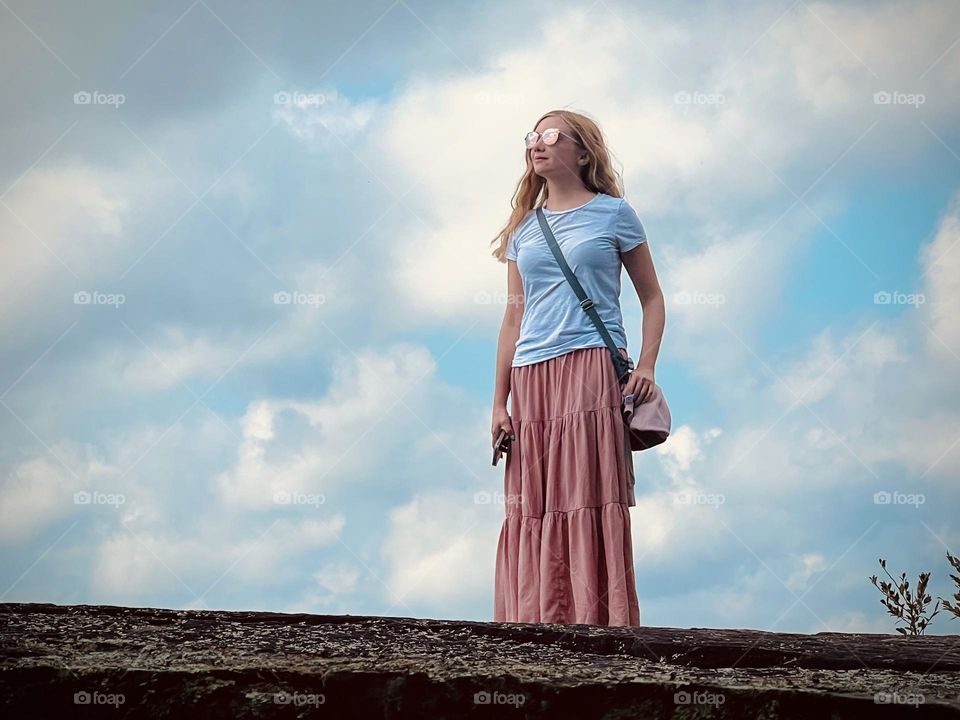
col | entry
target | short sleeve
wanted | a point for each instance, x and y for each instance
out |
(512, 247)
(627, 228)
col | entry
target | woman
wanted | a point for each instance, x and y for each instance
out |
(565, 552)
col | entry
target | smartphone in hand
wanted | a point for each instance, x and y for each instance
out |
(501, 446)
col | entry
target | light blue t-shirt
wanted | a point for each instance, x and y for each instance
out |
(591, 237)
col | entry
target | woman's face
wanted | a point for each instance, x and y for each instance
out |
(557, 159)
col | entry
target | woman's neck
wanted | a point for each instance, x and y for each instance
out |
(565, 197)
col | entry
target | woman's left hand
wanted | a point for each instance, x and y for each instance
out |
(640, 383)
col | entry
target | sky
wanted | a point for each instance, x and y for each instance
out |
(250, 312)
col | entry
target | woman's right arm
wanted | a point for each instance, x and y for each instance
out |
(506, 347)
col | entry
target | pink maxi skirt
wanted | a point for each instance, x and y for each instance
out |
(565, 553)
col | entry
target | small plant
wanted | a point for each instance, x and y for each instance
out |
(904, 606)
(947, 605)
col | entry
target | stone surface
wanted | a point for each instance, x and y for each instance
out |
(146, 662)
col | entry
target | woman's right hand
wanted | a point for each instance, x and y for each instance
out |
(501, 421)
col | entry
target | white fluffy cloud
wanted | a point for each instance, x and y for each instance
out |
(677, 158)
(345, 436)
(36, 493)
(136, 562)
(941, 271)
(60, 220)
(317, 116)
(441, 548)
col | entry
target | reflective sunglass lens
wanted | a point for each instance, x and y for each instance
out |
(549, 137)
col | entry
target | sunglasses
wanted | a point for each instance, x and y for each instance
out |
(550, 137)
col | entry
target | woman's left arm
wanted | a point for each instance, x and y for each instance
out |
(639, 265)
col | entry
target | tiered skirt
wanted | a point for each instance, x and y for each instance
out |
(565, 553)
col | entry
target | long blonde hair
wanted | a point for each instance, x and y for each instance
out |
(597, 175)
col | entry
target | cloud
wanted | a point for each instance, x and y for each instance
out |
(685, 448)
(861, 409)
(940, 260)
(310, 116)
(35, 493)
(856, 621)
(329, 442)
(677, 157)
(125, 475)
(138, 562)
(440, 549)
(58, 222)
(333, 585)
(808, 565)
(337, 578)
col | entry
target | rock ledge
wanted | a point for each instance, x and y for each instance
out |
(123, 662)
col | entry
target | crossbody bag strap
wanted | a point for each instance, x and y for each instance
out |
(621, 365)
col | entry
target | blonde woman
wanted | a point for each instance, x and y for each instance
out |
(565, 553)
